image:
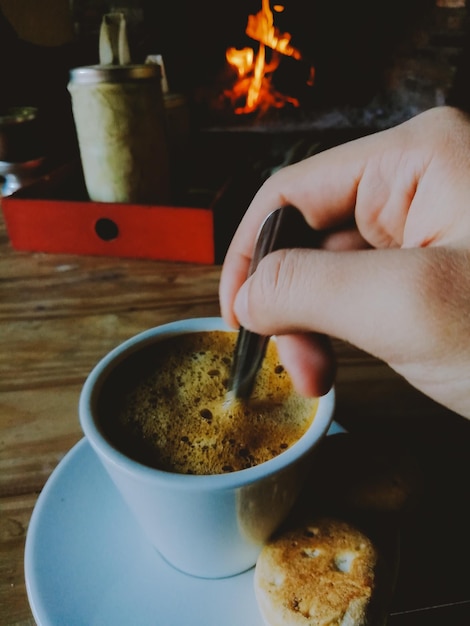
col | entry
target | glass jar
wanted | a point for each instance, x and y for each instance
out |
(120, 121)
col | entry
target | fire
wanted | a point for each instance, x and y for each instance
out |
(254, 71)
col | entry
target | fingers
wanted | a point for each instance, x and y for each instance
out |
(403, 306)
(370, 298)
(393, 185)
(345, 239)
(310, 360)
(406, 307)
(283, 188)
(405, 191)
(324, 187)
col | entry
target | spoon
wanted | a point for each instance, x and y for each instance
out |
(283, 228)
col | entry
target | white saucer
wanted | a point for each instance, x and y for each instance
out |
(85, 564)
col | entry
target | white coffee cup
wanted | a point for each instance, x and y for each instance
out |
(211, 526)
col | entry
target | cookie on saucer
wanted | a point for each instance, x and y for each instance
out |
(317, 573)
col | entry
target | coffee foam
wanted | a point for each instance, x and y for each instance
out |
(179, 416)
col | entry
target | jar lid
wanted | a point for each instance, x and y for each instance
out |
(92, 74)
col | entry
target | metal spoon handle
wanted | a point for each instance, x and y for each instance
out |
(280, 229)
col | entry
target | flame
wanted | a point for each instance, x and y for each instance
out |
(254, 71)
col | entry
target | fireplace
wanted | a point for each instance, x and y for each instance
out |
(364, 64)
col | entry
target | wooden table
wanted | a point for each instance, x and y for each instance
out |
(60, 314)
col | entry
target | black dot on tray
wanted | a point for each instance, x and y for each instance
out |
(106, 229)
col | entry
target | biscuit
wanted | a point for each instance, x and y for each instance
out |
(321, 572)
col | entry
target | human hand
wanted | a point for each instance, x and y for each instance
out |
(393, 275)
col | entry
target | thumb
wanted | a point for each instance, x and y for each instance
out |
(408, 307)
(386, 302)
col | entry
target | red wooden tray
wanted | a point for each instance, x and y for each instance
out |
(54, 215)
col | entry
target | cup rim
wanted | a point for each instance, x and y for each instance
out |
(105, 449)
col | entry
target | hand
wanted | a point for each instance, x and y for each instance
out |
(393, 276)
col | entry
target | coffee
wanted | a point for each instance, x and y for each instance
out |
(167, 406)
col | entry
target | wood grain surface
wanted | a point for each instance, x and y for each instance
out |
(60, 314)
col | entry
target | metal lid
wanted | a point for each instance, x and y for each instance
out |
(92, 74)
